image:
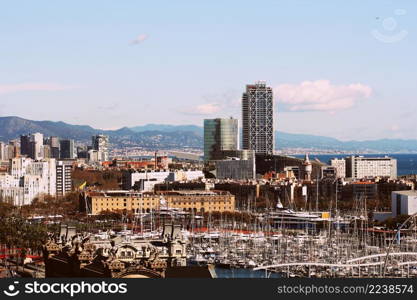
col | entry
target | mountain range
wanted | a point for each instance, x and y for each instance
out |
(158, 136)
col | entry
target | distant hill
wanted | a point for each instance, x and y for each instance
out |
(169, 128)
(158, 136)
(13, 127)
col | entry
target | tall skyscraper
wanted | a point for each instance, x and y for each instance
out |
(219, 135)
(67, 149)
(36, 142)
(25, 147)
(55, 146)
(257, 118)
(101, 144)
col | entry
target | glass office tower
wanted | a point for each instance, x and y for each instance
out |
(219, 135)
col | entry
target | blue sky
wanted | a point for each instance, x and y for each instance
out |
(345, 69)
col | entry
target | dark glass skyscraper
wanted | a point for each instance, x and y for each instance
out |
(219, 135)
(67, 149)
(257, 118)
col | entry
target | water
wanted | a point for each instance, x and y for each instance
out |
(243, 273)
(406, 163)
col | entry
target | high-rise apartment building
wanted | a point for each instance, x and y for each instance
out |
(101, 144)
(219, 135)
(257, 118)
(63, 178)
(67, 149)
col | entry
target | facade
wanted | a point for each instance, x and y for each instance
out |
(25, 147)
(219, 135)
(36, 143)
(340, 165)
(145, 181)
(63, 177)
(54, 143)
(136, 202)
(257, 118)
(404, 202)
(328, 172)
(2, 151)
(28, 179)
(364, 167)
(8, 151)
(100, 143)
(236, 169)
(162, 256)
(67, 149)
(32, 145)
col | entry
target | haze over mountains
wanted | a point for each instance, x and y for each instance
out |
(155, 136)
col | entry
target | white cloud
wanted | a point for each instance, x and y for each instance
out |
(139, 39)
(207, 109)
(203, 109)
(321, 95)
(395, 127)
(21, 87)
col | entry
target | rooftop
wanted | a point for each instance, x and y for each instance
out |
(407, 192)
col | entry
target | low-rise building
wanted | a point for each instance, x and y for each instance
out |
(136, 202)
(404, 202)
(145, 181)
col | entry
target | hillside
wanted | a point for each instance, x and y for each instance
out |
(156, 136)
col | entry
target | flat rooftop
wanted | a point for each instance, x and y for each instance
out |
(407, 192)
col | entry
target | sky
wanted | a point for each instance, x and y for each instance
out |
(344, 69)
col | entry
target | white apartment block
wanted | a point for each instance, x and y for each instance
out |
(363, 167)
(340, 165)
(148, 179)
(28, 179)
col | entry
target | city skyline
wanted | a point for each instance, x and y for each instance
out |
(130, 64)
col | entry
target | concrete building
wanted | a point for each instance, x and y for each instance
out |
(63, 177)
(257, 118)
(292, 172)
(46, 170)
(236, 169)
(54, 143)
(404, 202)
(25, 146)
(2, 151)
(18, 166)
(28, 179)
(101, 144)
(145, 181)
(366, 167)
(340, 165)
(47, 151)
(93, 155)
(328, 172)
(219, 135)
(136, 202)
(36, 144)
(67, 149)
